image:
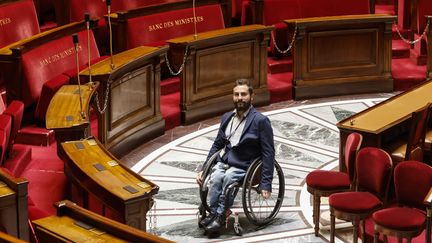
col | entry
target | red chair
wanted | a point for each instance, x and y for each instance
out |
(322, 183)
(373, 171)
(412, 148)
(408, 219)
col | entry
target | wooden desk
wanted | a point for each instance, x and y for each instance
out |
(64, 114)
(13, 205)
(215, 59)
(132, 114)
(92, 168)
(341, 55)
(75, 224)
(379, 124)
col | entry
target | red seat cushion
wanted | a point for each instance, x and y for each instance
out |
(280, 86)
(328, 180)
(34, 135)
(399, 218)
(18, 159)
(354, 202)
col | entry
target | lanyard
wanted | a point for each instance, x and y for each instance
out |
(232, 122)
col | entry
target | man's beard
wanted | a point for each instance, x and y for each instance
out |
(242, 106)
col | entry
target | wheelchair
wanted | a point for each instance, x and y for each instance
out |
(258, 211)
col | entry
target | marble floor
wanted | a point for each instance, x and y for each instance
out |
(306, 138)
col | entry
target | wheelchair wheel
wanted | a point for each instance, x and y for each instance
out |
(204, 187)
(258, 210)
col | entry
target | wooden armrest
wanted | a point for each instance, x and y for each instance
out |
(9, 238)
(356, 18)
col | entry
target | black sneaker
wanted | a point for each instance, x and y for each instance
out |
(216, 224)
(207, 220)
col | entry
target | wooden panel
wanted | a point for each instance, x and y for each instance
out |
(331, 50)
(13, 205)
(215, 60)
(91, 167)
(130, 94)
(341, 55)
(75, 224)
(222, 58)
(132, 114)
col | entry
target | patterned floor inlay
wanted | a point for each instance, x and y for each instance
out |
(306, 138)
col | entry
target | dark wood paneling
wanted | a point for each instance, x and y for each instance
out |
(132, 115)
(341, 55)
(215, 59)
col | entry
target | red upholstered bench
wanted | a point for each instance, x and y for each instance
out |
(39, 66)
(16, 156)
(18, 20)
(155, 29)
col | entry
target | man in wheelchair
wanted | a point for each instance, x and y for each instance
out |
(244, 135)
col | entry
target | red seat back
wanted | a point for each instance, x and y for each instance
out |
(275, 11)
(424, 8)
(51, 59)
(321, 8)
(412, 180)
(156, 28)
(352, 146)
(96, 8)
(18, 20)
(131, 4)
(373, 170)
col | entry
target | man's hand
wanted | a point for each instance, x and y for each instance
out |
(265, 194)
(199, 178)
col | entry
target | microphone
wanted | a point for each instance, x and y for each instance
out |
(108, 3)
(87, 20)
(75, 41)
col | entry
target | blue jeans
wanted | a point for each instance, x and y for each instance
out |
(220, 178)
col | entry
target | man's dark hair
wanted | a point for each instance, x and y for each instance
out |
(244, 81)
